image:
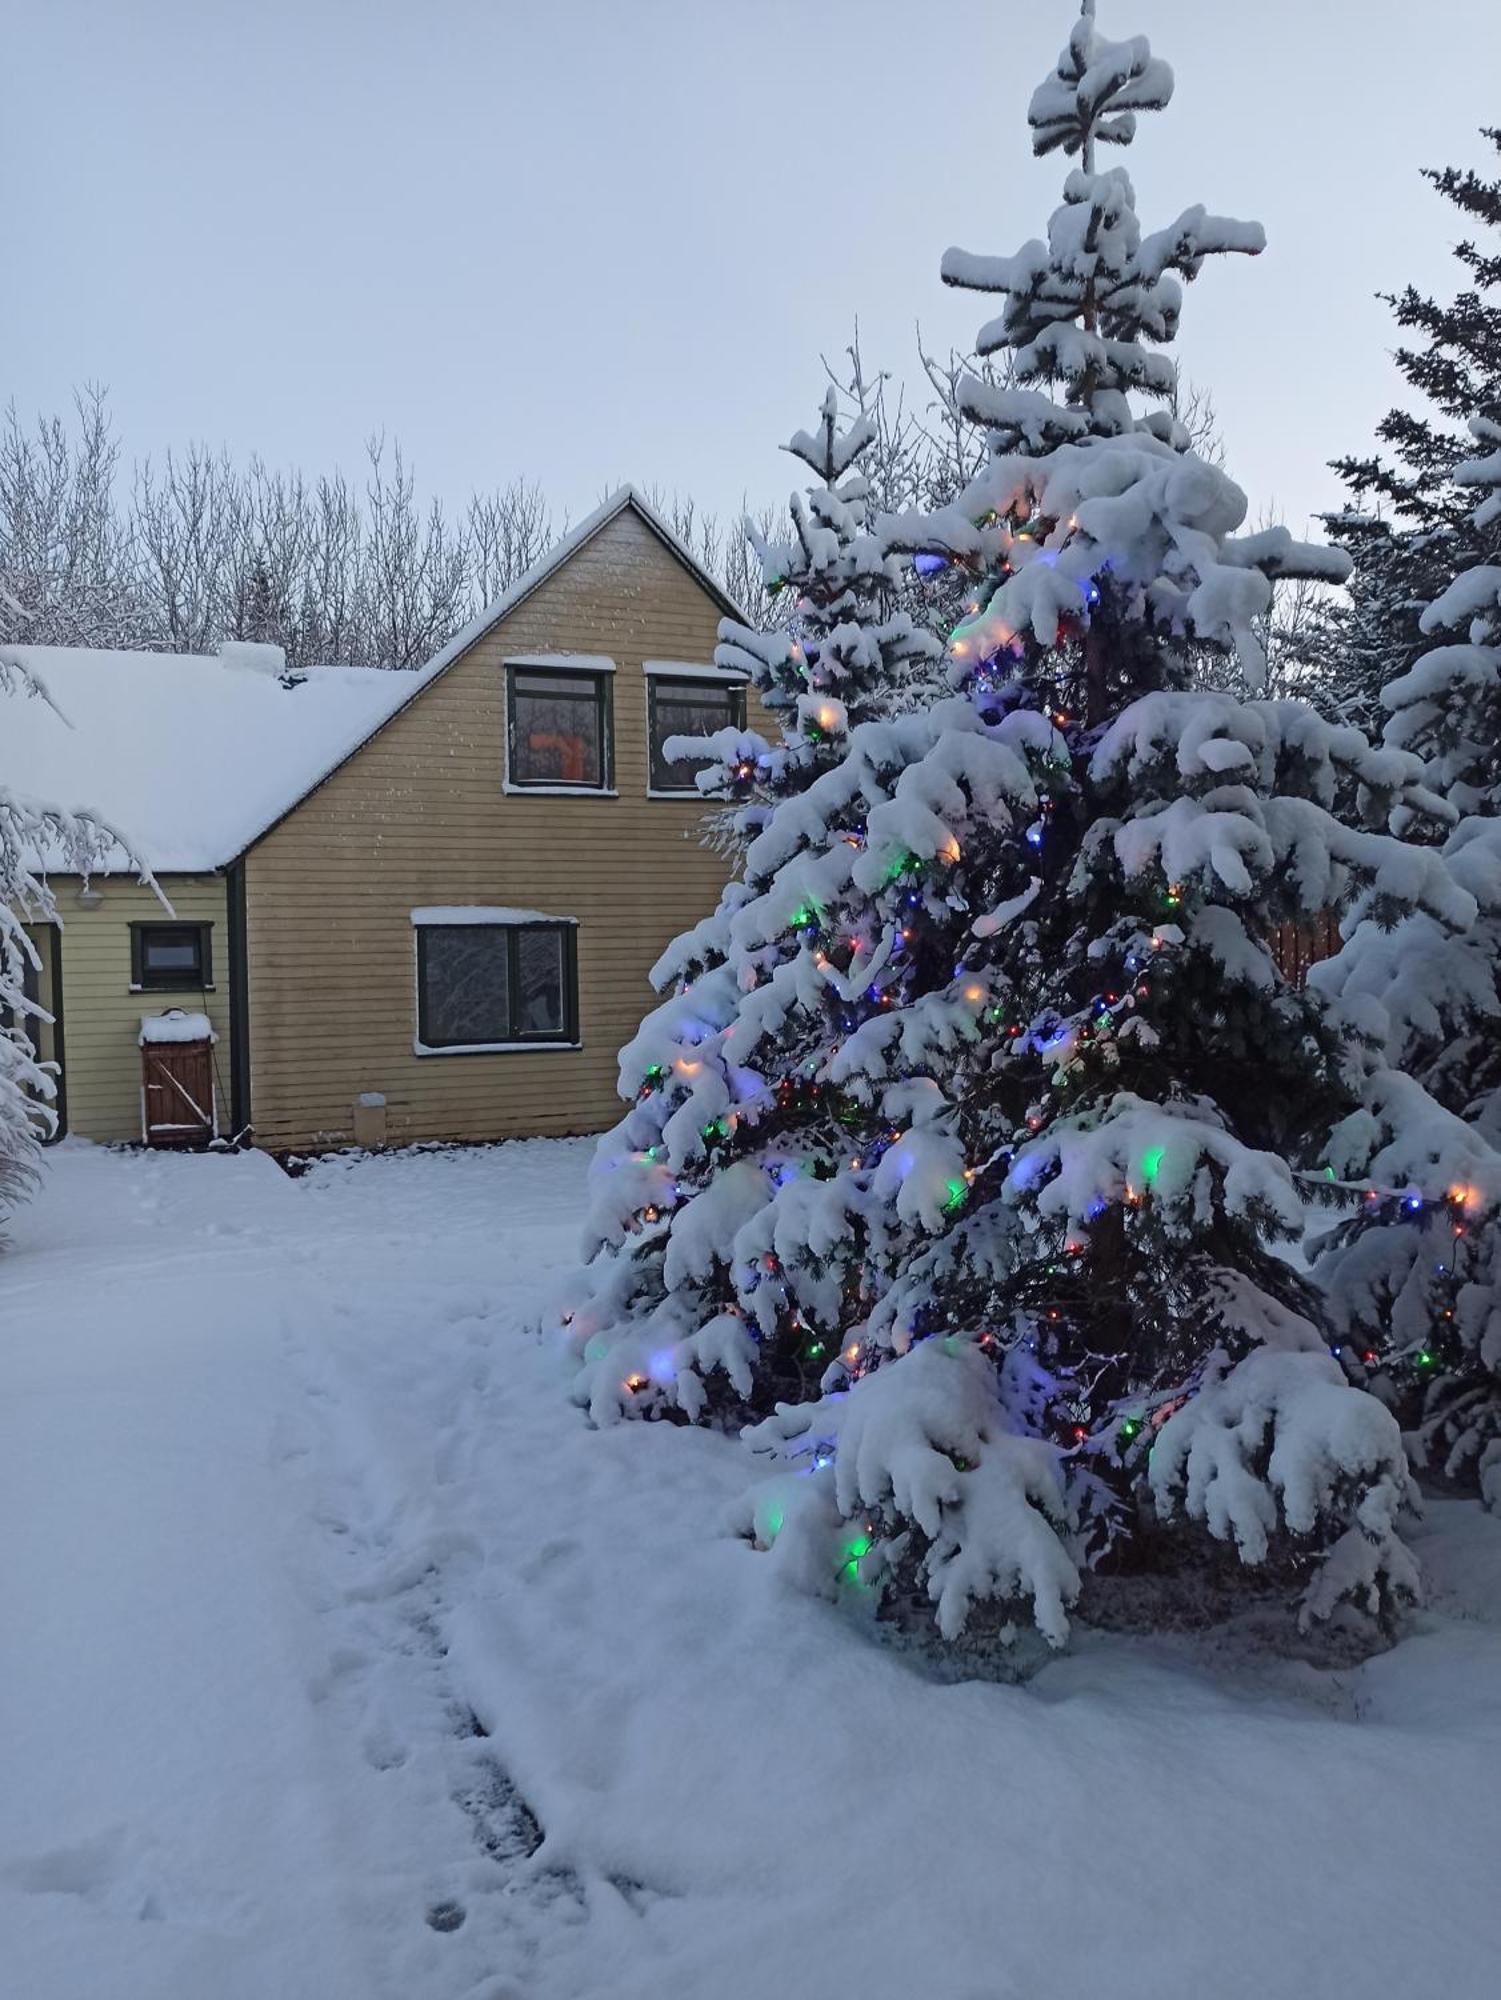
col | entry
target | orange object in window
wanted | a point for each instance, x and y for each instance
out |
(571, 752)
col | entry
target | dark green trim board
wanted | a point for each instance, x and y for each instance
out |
(59, 1051)
(239, 1001)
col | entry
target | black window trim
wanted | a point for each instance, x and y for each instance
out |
(694, 683)
(142, 981)
(602, 679)
(567, 1037)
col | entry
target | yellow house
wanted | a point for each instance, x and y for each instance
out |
(406, 906)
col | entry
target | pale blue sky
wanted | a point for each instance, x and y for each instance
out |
(589, 241)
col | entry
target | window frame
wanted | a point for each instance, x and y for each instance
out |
(143, 980)
(601, 678)
(691, 683)
(566, 1037)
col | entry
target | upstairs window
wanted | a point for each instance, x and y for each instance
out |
(684, 707)
(494, 979)
(559, 736)
(170, 958)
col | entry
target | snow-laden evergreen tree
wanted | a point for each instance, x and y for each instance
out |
(844, 654)
(33, 837)
(1414, 1278)
(1353, 642)
(655, 1312)
(1409, 526)
(981, 1115)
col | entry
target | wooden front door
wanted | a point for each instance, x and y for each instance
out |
(177, 1093)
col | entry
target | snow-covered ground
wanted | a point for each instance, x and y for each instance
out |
(338, 1658)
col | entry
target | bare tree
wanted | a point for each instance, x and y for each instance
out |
(727, 553)
(331, 621)
(1193, 406)
(507, 531)
(67, 570)
(415, 568)
(201, 549)
(187, 522)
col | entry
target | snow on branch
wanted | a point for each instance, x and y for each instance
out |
(1281, 1443)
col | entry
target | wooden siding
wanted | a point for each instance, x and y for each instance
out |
(418, 817)
(102, 1016)
(1297, 948)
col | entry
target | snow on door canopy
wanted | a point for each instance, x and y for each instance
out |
(176, 1025)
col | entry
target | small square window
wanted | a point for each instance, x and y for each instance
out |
(170, 957)
(480, 985)
(688, 708)
(559, 730)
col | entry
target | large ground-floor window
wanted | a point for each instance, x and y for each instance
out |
(492, 978)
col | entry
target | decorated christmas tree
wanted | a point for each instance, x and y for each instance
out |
(845, 654)
(1414, 1278)
(972, 1130)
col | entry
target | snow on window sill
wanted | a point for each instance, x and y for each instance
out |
(694, 797)
(172, 986)
(497, 1048)
(694, 670)
(559, 791)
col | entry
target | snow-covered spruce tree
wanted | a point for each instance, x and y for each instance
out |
(977, 1103)
(1355, 641)
(1409, 526)
(1414, 1278)
(31, 835)
(844, 654)
(1092, 1350)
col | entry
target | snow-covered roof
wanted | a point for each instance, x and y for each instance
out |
(189, 756)
(194, 757)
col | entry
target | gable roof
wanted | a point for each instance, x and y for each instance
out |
(195, 757)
